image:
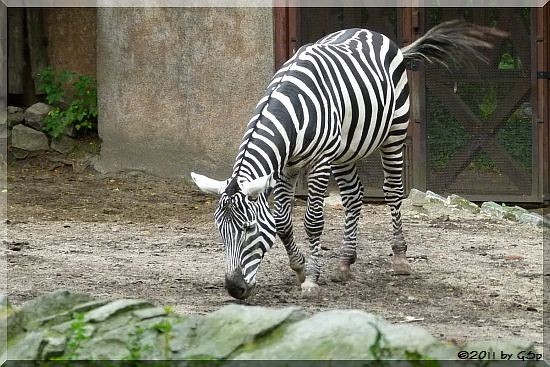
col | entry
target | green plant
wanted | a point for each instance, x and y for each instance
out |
(135, 347)
(79, 334)
(74, 98)
(165, 327)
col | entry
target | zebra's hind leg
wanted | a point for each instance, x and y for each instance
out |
(351, 192)
(314, 222)
(284, 194)
(392, 161)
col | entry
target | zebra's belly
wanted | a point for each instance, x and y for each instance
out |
(362, 140)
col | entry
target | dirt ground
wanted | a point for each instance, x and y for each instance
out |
(134, 235)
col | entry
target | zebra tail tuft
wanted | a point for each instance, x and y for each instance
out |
(455, 42)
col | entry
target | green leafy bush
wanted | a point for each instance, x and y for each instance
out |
(74, 98)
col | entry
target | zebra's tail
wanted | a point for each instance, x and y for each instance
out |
(453, 42)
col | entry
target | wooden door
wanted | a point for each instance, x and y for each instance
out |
(482, 122)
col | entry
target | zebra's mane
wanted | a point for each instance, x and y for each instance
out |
(242, 152)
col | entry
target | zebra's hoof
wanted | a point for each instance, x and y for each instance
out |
(301, 275)
(342, 273)
(300, 272)
(401, 266)
(310, 289)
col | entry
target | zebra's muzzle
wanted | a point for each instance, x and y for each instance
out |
(236, 285)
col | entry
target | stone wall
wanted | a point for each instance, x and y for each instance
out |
(178, 85)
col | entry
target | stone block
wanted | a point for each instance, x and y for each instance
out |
(432, 197)
(63, 144)
(463, 204)
(494, 210)
(104, 312)
(28, 139)
(532, 218)
(417, 197)
(15, 118)
(35, 114)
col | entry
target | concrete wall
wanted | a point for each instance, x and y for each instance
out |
(71, 35)
(178, 85)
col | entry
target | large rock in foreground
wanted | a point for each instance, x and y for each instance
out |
(67, 326)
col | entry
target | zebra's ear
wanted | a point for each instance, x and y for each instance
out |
(254, 188)
(208, 185)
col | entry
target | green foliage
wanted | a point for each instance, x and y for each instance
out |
(446, 135)
(516, 137)
(79, 334)
(379, 352)
(488, 104)
(509, 62)
(135, 347)
(74, 98)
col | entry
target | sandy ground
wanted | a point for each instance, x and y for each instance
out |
(133, 235)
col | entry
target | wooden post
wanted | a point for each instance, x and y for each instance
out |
(16, 50)
(280, 21)
(542, 40)
(412, 28)
(37, 42)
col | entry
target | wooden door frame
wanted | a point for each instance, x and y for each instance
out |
(542, 44)
(286, 29)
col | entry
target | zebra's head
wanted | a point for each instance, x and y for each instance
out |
(246, 226)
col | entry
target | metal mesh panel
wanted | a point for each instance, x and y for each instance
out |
(479, 120)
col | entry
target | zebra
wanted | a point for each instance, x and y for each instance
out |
(332, 103)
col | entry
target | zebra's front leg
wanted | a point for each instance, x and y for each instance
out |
(351, 192)
(392, 161)
(314, 223)
(284, 194)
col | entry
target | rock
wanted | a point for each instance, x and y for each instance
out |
(104, 312)
(417, 197)
(531, 218)
(48, 304)
(19, 153)
(71, 131)
(432, 197)
(25, 138)
(63, 144)
(34, 115)
(223, 331)
(148, 313)
(339, 334)
(15, 118)
(462, 204)
(133, 330)
(494, 210)
(28, 347)
(55, 346)
(515, 212)
(13, 109)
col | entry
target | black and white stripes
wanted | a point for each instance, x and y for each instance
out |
(334, 102)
